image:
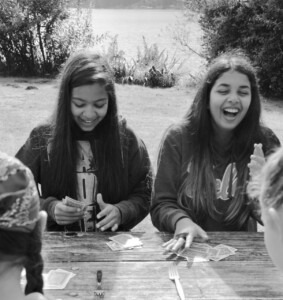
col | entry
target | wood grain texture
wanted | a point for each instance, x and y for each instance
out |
(143, 273)
(92, 247)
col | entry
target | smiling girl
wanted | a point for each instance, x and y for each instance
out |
(203, 160)
(88, 153)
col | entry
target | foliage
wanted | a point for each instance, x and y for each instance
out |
(256, 26)
(37, 36)
(151, 67)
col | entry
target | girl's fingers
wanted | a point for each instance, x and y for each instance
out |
(258, 150)
(106, 211)
(201, 233)
(168, 243)
(189, 241)
(69, 215)
(180, 242)
(115, 227)
(106, 223)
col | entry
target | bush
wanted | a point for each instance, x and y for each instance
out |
(151, 67)
(37, 36)
(256, 26)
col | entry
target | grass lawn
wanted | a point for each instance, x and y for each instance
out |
(148, 111)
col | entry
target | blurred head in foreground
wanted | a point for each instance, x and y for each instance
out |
(268, 188)
(20, 226)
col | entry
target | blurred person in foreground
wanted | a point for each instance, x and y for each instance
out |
(267, 187)
(21, 227)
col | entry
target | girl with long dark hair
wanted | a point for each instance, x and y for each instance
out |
(88, 151)
(203, 161)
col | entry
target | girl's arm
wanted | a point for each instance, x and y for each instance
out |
(136, 207)
(165, 211)
(29, 153)
(32, 154)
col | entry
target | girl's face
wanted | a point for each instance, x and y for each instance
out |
(229, 100)
(89, 105)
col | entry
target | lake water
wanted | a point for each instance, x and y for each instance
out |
(156, 25)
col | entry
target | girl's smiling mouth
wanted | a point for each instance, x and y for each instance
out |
(231, 112)
(87, 122)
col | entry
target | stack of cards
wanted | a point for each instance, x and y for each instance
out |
(205, 252)
(57, 279)
(73, 203)
(124, 241)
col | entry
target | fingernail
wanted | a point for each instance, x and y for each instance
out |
(78, 210)
(102, 228)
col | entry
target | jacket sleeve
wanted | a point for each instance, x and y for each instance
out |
(32, 155)
(165, 211)
(29, 154)
(136, 207)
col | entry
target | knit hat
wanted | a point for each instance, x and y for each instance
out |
(19, 200)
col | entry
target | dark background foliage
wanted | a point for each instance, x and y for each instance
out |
(37, 36)
(256, 26)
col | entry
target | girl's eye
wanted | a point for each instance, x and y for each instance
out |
(244, 93)
(79, 105)
(99, 105)
(223, 92)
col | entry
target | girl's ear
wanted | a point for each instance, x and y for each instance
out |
(275, 216)
(42, 220)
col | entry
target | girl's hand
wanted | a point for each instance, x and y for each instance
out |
(257, 160)
(65, 215)
(110, 212)
(186, 231)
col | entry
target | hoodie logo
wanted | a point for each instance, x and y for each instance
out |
(222, 186)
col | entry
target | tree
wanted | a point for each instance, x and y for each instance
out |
(37, 36)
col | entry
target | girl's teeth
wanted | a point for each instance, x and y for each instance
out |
(231, 110)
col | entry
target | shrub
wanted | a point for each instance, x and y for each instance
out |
(256, 26)
(37, 36)
(151, 67)
(161, 70)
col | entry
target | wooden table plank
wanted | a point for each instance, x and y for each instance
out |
(92, 247)
(149, 280)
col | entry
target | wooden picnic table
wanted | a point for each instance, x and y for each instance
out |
(143, 273)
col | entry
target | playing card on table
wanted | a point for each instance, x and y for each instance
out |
(114, 246)
(57, 279)
(204, 252)
(126, 240)
(227, 248)
(192, 256)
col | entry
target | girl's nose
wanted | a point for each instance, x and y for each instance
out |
(89, 113)
(233, 98)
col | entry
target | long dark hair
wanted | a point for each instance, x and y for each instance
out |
(200, 181)
(83, 68)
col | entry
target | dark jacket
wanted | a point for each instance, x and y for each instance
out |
(173, 162)
(137, 177)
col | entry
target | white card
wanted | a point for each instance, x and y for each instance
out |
(126, 240)
(57, 279)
